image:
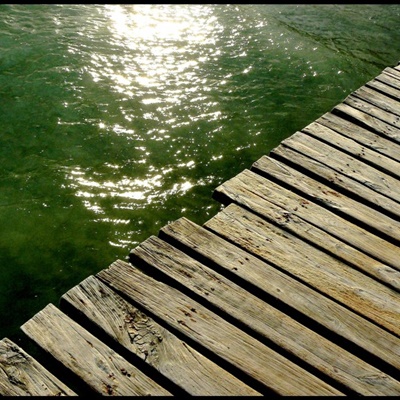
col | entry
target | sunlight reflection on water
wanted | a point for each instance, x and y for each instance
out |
(154, 57)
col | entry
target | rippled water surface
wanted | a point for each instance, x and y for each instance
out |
(116, 119)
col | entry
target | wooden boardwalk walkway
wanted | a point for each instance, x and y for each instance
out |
(291, 289)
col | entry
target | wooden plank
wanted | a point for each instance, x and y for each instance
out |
(209, 248)
(103, 370)
(333, 178)
(365, 119)
(282, 207)
(363, 136)
(392, 72)
(386, 84)
(148, 340)
(310, 265)
(371, 109)
(336, 203)
(22, 375)
(378, 100)
(264, 319)
(213, 333)
(353, 148)
(357, 170)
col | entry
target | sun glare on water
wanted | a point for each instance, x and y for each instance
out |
(152, 57)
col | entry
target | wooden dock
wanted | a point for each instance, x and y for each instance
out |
(291, 289)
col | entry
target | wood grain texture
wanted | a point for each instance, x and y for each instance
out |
(362, 105)
(318, 205)
(337, 180)
(206, 328)
(388, 78)
(103, 370)
(154, 344)
(211, 248)
(331, 210)
(363, 136)
(264, 319)
(386, 85)
(363, 118)
(281, 207)
(22, 375)
(356, 169)
(354, 148)
(310, 265)
(393, 72)
(379, 100)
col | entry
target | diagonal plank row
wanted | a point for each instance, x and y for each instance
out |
(293, 288)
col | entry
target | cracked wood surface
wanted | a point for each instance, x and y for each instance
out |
(101, 368)
(151, 342)
(310, 265)
(206, 246)
(264, 319)
(207, 329)
(22, 375)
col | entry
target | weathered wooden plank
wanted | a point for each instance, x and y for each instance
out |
(363, 136)
(386, 89)
(310, 265)
(206, 246)
(101, 368)
(293, 213)
(264, 319)
(214, 333)
(334, 201)
(386, 84)
(365, 119)
(333, 178)
(371, 109)
(353, 148)
(148, 340)
(378, 100)
(22, 375)
(357, 170)
(392, 72)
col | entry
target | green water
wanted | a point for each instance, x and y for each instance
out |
(116, 119)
